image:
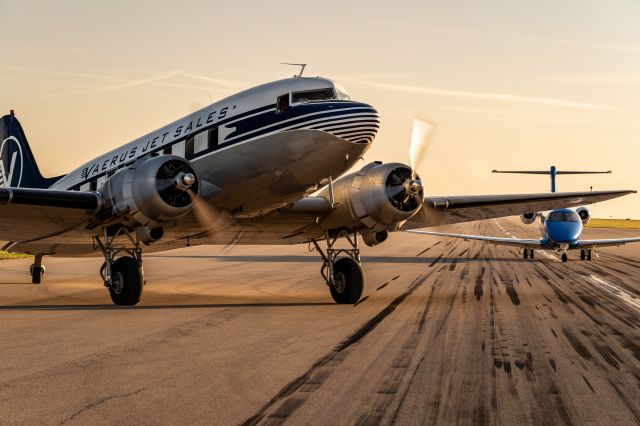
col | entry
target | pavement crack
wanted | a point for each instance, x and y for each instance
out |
(98, 403)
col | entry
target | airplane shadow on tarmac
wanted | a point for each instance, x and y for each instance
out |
(365, 259)
(85, 307)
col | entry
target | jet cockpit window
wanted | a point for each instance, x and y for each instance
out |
(564, 217)
(312, 95)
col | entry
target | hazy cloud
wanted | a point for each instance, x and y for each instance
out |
(483, 95)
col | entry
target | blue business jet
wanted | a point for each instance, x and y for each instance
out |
(561, 228)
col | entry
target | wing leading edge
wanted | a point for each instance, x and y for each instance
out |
(586, 244)
(458, 209)
(495, 240)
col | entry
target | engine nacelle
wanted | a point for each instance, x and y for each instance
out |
(584, 214)
(528, 218)
(151, 192)
(373, 200)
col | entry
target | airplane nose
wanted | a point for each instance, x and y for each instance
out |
(355, 122)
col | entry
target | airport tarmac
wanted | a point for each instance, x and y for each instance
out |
(447, 331)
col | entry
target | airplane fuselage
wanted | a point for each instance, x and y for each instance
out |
(262, 148)
(561, 228)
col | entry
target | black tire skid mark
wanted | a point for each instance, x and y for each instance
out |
(329, 361)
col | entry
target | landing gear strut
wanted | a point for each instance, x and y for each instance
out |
(585, 254)
(124, 276)
(343, 276)
(37, 269)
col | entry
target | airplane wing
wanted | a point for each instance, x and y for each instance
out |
(606, 242)
(31, 214)
(494, 240)
(457, 209)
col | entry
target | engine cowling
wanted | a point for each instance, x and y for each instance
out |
(151, 192)
(584, 214)
(528, 218)
(373, 200)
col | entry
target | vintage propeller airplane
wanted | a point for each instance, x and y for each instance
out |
(240, 171)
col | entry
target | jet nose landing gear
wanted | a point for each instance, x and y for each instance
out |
(343, 276)
(37, 269)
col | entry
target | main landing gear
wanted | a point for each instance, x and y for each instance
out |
(528, 253)
(124, 276)
(37, 269)
(564, 257)
(585, 254)
(343, 276)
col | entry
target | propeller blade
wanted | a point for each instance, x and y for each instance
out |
(421, 137)
(213, 219)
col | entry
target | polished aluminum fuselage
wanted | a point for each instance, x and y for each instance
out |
(252, 158)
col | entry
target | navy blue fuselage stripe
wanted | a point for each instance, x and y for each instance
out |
(337, 128)
(271, 122)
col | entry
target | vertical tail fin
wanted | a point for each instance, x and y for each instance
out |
(18, 168)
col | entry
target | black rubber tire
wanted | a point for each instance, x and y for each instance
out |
(588, 254)
(350, 272)
(583, 255)
(36, 274)
(526, 253)
(531, 254)
(564, 257)
(126, 269)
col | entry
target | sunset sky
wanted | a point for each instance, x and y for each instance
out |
(509, 84)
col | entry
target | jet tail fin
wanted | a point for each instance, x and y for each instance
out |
(552, 172)
(18, 168)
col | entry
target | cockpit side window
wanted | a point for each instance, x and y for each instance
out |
(282, 103)
(312, 95)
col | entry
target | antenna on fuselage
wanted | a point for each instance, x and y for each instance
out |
(552, 172)
(302, 66)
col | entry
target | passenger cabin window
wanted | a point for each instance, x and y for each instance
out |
(282, 102)
(312, 95)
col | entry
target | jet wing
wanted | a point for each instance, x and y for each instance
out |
(494, 240)
(32, 214)
(457, 209)
(606, 242)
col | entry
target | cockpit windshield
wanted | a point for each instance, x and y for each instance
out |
(342, 94)
(312, 95)
(564, 217)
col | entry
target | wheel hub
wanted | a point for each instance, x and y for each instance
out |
(117, 283)
(339, 282)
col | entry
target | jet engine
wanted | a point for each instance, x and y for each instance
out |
(528, 218)
(151, 192)
(584, 214)
(374, 200)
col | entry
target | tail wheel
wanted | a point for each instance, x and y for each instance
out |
(348, 281)
(127, 282)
